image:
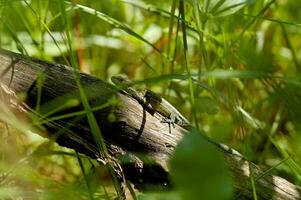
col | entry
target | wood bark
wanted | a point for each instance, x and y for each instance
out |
(134, 132)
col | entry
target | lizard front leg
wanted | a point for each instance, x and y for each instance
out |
(171, 120)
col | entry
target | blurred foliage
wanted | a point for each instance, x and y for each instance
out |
(196, 173)
(230, 66)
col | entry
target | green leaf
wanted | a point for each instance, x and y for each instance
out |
(198, 170)
(221, 8)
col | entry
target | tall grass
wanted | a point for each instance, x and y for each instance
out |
(231, 67)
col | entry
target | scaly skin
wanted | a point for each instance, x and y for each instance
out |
(166, 109)
(157, 103)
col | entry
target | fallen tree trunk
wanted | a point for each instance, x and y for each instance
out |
(51, 86)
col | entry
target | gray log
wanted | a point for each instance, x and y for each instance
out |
(134, 131)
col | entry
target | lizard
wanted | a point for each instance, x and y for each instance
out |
(153, 101)
(160, 105)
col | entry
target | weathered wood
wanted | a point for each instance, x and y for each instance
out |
(134, 128)
(134, 131)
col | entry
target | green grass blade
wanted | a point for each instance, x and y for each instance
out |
(95, 130)
(116, 24)
(290, 46)
(252, 21)
(85, 178)
(182, 12)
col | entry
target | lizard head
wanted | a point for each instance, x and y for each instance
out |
(120, 80)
